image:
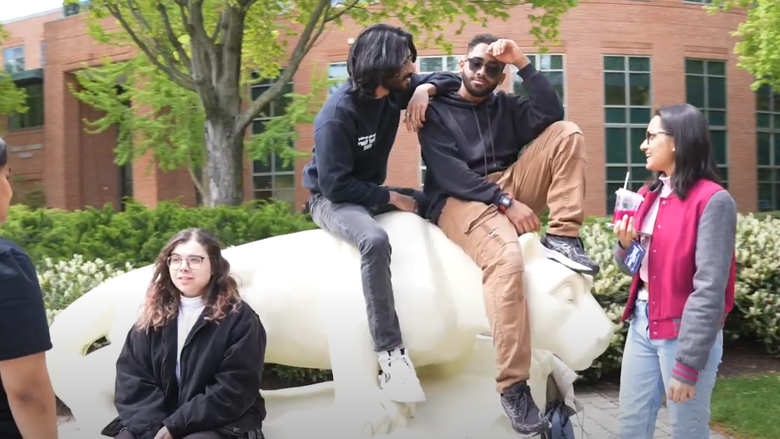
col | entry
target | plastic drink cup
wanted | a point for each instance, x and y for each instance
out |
(626, 203)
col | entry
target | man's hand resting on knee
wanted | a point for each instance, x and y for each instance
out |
(523, 218)
(403, 202)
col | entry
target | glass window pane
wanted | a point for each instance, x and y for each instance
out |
(614, 89)
(763, 98)
(719, 146)
(284, 181)
(640, 115)
(694, 90)
(776, 138)
(263, 182)
(765, 174)
(777, 122)
(258, 167)
(453, 63)
(285, 195)
(639, 64)
(640, 174)
(694, 66)
(556, 62)
(431, 64)
(614, 63)
(723, 171)
(638, 136)
(616, 145)
(279, 164)
(716, 92)
(764, 142)
(615, 115)
(716, 68)
(776, 102)
(716, 118)
(640, 88)
(556, 80)
(616, 173)
(765, 201)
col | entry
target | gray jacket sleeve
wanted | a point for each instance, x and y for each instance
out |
(703, 312)
(620, 259)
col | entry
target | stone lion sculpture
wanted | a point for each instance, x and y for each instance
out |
(306, 289)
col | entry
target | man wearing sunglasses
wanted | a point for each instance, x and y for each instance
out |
(353, 135)
(483, 196)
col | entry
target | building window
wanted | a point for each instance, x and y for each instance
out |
(768, 154)
(34, 115)
(699, 2)
(272, 179)
(13, 59)
(337, 72)
(705, 88)
(432, 64)
(627, 109)
(551, 66)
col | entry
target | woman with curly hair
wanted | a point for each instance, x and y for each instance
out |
(191, 366)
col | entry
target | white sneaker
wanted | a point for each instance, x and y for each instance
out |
(398, 378)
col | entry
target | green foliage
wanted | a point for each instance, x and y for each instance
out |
(12, 98)
(758, 35)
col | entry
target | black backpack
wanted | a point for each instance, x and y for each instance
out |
(558, 414)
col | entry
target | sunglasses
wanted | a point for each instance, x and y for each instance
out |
(492, 68)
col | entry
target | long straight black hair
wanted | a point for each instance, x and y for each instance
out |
(378, 54)
(693, 158)
(3, 153)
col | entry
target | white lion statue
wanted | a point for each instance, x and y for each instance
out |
(306, 289)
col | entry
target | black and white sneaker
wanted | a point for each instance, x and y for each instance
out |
(569, 251)
(524, 415)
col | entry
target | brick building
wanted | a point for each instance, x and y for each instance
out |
(618, 60)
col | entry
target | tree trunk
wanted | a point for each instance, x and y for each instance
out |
(225, 161)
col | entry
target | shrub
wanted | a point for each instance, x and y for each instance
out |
(107, 243)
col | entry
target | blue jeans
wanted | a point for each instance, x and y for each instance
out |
(644, 379)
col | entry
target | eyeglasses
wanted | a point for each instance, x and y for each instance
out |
(650, 136)
(492, 68)
(193, 261)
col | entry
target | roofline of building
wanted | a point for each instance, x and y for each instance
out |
(37, 14)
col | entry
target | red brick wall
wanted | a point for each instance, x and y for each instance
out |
(79, 171)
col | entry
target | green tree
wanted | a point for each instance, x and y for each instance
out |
(759, 34)
(12, 99)
(211, 49)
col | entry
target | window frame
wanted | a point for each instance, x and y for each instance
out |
(272, 172)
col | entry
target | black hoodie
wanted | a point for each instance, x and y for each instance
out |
(353, 137)
(462, 143)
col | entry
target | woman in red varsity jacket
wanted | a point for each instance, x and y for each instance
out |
(682, 239)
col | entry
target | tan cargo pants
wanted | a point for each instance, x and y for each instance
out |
(550, 172)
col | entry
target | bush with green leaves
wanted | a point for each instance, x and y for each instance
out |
(75, 251)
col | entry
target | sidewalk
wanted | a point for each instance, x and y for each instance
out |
(599, 418)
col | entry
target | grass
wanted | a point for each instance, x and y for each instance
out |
(746, 407)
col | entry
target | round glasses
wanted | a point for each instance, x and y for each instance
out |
(193, 261)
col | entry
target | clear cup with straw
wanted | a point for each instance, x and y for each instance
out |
(626, 203)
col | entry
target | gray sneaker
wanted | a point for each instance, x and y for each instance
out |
(570, 252)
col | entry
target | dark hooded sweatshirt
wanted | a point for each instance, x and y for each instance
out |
(462, 143)
(353, 137)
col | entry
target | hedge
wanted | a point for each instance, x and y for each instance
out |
(75, 251)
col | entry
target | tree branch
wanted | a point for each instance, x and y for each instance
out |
(183, 57)
(203, 56)
(174, 74)
(300, 51)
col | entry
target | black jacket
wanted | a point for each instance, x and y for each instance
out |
(353, 137)
(222, 364)
(462, 143)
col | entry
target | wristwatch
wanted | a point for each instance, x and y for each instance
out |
(504, 202)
